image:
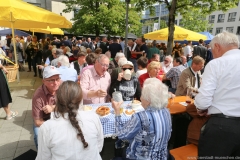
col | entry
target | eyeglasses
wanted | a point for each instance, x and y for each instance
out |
(53, 80)
(127, 68)
(103, 65)
(166, 61)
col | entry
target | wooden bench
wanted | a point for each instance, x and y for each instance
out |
(187, 152)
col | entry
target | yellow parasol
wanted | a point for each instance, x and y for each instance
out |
(20, 14)
(46, 31)
(179, 34)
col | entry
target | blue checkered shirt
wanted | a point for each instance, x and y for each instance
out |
(173, 75)
(147, 132)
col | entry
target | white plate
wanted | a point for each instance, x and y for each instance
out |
(90, 108)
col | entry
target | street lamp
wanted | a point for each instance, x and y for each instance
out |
(126, 31)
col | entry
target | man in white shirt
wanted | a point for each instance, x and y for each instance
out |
(188, 50)
(219, 97)
(167, 64)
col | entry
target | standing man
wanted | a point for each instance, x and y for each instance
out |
(114, 47)
(43, 102)
(104, 45)
(95, 81)
(188, 50)
(219, 97)
(27, 53)
(153, 50)
(90, 44)
(200, 50)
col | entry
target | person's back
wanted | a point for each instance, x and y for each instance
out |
(63, 143)
(200, 50)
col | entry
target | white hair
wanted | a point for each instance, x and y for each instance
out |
(63, 60)
(121, 61)
(108, 54)
(119, 55)
(83, 49)
(155, 92)
(169, 57)
(225, 39)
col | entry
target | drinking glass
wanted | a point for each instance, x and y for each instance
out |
(188, 96)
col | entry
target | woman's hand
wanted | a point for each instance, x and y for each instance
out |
(116, 106)
(120, 76)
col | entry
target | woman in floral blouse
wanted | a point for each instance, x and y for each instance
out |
(148, 131)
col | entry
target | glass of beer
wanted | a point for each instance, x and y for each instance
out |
(188, 96)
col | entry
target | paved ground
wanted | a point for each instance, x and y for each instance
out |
(16, 135)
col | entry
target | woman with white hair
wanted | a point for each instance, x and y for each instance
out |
(148, 131)
(114, 63)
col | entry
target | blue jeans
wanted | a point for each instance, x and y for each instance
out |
(134, 61)
(35, 131)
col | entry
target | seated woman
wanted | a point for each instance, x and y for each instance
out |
(130, 88)
(71, 134)
(148, 131)
(153, 69)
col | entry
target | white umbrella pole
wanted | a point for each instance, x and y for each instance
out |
(14, 47)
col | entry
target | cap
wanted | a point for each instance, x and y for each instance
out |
(127, 63)
(50, 71)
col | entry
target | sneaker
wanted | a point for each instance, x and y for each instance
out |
(13, 114)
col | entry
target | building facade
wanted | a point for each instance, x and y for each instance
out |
(219, 20)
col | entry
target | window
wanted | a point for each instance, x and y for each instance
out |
(211, 18)
(180, 22)
(176, 22)
(229, 29)
(221, 18)
(238, 30)
(210, 30)
(219, 30)
(232, 16)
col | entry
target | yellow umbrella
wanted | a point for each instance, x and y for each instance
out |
(19, 14)
(179, 34)
(46, 31)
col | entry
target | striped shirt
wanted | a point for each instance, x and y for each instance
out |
(173, 75)
(147, 132)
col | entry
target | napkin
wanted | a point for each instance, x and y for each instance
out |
(183, 103)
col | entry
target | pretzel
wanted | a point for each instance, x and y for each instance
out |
(103, 110)
(129, 112)
(136, 101)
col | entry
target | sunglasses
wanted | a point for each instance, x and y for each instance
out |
(127, 68)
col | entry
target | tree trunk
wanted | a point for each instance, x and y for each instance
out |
(97, 31)
(171, 28)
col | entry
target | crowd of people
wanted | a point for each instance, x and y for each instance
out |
(86, 71)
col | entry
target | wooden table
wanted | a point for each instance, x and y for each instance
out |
(175, 107)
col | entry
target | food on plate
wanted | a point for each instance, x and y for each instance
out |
(103, 110)
(129, 112)
(136, 104)
(87, 108)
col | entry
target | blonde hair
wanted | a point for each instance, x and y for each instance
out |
(197, 60)
(152, 65)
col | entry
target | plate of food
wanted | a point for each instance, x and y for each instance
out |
(103, 111)
(87, 108)
(128, 112)
(137, 106)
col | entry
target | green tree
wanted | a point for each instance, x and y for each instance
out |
(194, 21)
(182, 7)
(101, 16)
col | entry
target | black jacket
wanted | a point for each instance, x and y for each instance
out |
(130, 89)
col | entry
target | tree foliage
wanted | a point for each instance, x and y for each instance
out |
(194, 21)
(182, 7)
(101, 16)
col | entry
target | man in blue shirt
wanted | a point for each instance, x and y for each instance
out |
(66, 73)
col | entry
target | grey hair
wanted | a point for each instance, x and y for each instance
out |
(170, 57)
(59, 52)
(83, 49)
(102, 56)
(121, 61)
(225, 39)
(118, 55)
(63, 60)
(155, 92)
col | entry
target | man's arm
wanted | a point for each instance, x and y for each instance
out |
(204, 98)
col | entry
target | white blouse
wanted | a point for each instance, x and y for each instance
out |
(57, 138)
